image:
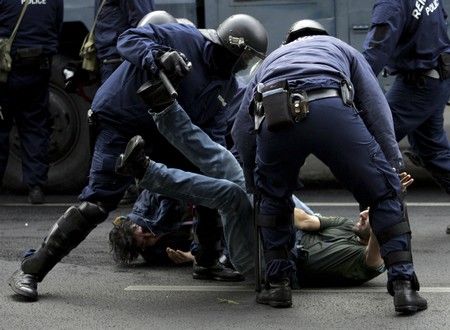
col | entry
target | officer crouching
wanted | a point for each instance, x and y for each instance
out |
(29, 33)
(306, 98)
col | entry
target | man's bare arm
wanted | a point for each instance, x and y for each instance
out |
(305, 221)
(373, 256)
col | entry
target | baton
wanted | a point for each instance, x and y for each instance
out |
(258, 273)
(167, 84)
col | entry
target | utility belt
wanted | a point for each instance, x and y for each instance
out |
(419, 75)
(442, 71)
(114, 60)
(32, 58)
(281, 107)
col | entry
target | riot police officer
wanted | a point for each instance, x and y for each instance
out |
(115, 17)
(305, 99)
(121, 113)
(24, 95)
(410, 38)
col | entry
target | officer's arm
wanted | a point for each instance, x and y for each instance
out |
(375, 111)
(233, 105)
(387, 26)
(137, 9)
(141, 45)
(245, 139)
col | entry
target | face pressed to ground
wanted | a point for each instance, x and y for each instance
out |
(362, 227)
(144, 239)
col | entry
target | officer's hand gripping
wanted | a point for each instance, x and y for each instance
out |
(160, 93)
(173, 62)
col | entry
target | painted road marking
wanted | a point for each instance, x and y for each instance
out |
(243, 288)
(416, 204)
(40, 205)
(323, 204)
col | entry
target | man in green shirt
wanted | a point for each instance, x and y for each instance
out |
(329, 251)
(335, 251)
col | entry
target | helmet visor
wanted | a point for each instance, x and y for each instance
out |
(247, 59)
(245, 69)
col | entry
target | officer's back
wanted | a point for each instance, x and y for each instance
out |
(417, 45)
(308, 58)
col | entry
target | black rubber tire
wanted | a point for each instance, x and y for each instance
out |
(69, 146)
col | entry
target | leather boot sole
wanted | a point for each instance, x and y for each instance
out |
(196, 276)
(409, 309)
(273, 303)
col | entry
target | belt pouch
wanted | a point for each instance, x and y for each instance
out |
(444, 66)
(277, 109)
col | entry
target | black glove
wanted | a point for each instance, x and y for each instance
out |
(173, 62)
(155, 95)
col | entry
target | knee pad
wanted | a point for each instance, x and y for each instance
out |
(75, 224)
(95, 213)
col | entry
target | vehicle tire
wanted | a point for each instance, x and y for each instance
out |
(69, 153)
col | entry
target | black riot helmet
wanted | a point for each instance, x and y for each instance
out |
(240, 32)
(157, 17)
(185, 21)
(303, 28)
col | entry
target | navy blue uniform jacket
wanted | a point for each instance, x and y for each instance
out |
(321, 62)
(406, 35)
(200, 92)
(40, 27)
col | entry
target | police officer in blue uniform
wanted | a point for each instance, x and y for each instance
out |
(306, 99)
(115, 17)
(409, 38)
(121, 114)
(24, 96)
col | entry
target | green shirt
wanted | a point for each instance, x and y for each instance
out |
(335, 256)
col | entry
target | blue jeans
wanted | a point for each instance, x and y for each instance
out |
(222, 186)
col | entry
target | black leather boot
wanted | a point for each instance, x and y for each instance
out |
(25, 285)
(69, 231)
(406, 298)
(216, 272)
(133, 161)
(276, 294)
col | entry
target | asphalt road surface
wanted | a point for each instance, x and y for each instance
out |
(88, 291)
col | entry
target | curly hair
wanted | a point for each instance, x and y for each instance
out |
(121, 241)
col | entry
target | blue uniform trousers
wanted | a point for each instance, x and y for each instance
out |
(337, 135)
(24, 100)
(418, 112)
